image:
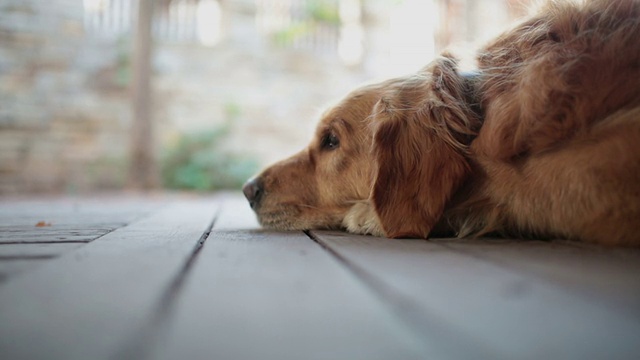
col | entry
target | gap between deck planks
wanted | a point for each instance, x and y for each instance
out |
(511, 310)
(257, 294)
(458, 305)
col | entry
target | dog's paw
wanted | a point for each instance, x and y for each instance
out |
(362, 219)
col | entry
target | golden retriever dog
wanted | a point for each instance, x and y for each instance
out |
(541, 140)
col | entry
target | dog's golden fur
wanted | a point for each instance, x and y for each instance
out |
(543, 140)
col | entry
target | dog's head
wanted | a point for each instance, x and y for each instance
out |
(385, 160)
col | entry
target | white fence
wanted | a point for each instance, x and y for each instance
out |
(323, 26)
(108, 18)
(174, 20)
(301, 24)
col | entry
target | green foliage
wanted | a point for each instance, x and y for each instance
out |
(123, 63)
(196, 162)
(292, 32)
(324, 11)
(232, 110)
(316, 13)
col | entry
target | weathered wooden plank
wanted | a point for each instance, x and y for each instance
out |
(52, 236)
(82, 212)
(36, 250)
(90, 303)
(54, 229)
(12, 267)
(256, 294)
(609, 275)
(17, 258)
(514, 314)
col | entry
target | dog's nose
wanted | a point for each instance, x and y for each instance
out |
(253, 191)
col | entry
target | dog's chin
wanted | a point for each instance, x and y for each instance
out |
(280, 223)
(360, 218)
(293, 217)
(280, 219)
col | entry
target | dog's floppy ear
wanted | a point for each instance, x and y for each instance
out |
(422, 129)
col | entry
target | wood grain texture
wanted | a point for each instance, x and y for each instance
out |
(17, 258)
(514, 314)
(149, 290)
(35, 250)
(68, 223)
(52, 235)
(12, 267)
(91, 302)
(256, 294)
(610, 276)
(84, 213)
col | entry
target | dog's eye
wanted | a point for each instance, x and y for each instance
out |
(330, 142)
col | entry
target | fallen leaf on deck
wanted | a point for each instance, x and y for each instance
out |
(42, 224)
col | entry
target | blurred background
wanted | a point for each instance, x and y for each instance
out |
(102, 95)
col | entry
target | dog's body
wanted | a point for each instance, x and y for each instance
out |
(543, 140)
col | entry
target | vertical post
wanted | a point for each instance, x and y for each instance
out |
(471, 19)
(143, 171)
(443, 34)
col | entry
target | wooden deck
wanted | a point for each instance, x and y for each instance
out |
(195, 278)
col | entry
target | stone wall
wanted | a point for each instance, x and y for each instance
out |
(62, 111)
